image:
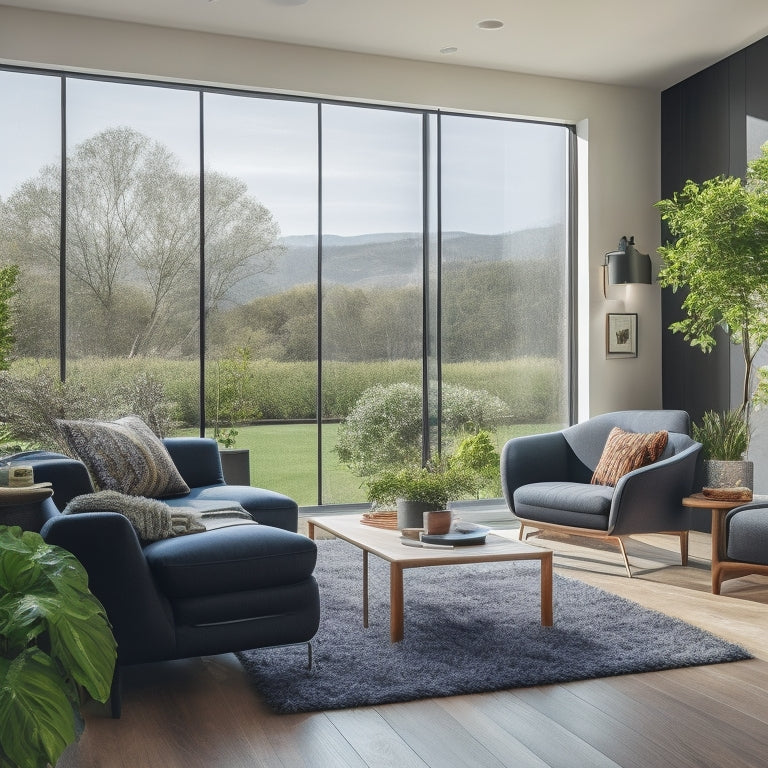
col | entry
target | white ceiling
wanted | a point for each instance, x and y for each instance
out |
(649, 43)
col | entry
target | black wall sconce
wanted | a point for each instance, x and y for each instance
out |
(626, 265)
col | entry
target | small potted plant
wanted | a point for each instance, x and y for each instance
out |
(725, 439)
(233, 404)
(415, 490)
(54, 637)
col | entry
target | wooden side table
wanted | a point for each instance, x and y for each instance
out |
(21, 506)
(719, 509)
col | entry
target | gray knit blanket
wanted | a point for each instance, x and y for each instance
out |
(154, 519)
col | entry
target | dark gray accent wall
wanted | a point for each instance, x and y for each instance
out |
(708, 128)
(703, 134)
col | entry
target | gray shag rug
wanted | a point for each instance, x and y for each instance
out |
(468, 629)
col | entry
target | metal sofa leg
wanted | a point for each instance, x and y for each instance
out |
(620, 542)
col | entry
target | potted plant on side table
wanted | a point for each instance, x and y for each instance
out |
(725, 439)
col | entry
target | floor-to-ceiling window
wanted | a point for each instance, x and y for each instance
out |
(132, 242)
(261, 223)
(30, 208)
(371, 281)
(276, 272)
(505, 279)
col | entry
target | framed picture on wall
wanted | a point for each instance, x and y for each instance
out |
(621, 335)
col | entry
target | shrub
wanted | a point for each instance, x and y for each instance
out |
(384, 428)
(477, 454)
(32, 401)
(528, 389)
(8, 278)
(470, 410)
(724, 436)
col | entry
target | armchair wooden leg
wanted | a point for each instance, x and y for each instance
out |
(520, 534)
(620, 542)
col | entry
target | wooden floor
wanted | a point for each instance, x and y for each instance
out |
(201, 713)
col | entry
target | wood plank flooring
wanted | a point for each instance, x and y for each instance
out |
(202, 713)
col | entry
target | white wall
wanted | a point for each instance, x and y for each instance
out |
(618, 132)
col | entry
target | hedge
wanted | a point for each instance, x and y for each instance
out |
(530, 387)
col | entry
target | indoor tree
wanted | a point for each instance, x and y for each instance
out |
(720, 256)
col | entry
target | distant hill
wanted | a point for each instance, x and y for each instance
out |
(390, 259)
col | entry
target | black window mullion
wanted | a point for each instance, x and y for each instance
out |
(63, 237)
(319, 405)
(202, 310)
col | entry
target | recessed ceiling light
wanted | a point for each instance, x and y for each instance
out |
(449, 49)
(490, 24)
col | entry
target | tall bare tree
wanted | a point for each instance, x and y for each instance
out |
(133, 242)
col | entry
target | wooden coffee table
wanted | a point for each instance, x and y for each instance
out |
(386, 545)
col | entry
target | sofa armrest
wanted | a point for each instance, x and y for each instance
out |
(197, 459)
(118, 574)
(533, 459)
(649, 499)
(69, 477)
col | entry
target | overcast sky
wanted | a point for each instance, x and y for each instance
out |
(497, 175)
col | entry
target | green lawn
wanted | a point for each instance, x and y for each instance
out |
(284, 458)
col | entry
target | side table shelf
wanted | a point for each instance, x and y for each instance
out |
(21, 506)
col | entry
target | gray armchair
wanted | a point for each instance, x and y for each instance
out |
(744, 549)
(546, 481)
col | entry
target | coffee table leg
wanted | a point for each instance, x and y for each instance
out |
(546, 590)
(365, 587)
(396, 620)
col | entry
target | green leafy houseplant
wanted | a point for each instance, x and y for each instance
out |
(54, 637)
(474, 464)
(720, 255)
(724, 436)
(428, 485)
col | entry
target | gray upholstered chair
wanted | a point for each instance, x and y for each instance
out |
(546, 480)
(746, 545)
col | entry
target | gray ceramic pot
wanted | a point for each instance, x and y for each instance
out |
(410, 514)
(236, 465)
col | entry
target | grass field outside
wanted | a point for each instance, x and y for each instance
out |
(284, 458)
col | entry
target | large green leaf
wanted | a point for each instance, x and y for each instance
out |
(45, 605)
(81, 639)
(36, 715)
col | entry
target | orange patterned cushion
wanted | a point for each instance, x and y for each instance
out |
(625, 451)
